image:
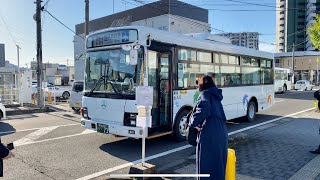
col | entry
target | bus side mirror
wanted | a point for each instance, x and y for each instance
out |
(133, 57)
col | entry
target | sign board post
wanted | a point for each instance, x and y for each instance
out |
(144, 97)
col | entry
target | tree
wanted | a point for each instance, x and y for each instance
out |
(314, 33)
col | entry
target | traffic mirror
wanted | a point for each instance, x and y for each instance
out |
(133, 57)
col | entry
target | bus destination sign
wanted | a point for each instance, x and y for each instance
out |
(112, 38)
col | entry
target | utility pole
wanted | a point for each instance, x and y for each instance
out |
(113, 6)
(39, 53)
(19, 77)
(86, 26)
(292, 64)
(317, 70)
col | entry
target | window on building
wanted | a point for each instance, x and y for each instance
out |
(187, 55)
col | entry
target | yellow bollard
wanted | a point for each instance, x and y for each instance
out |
(231, 165)
(49, 98)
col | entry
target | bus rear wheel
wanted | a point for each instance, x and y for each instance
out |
(251, 111)
(179, 128)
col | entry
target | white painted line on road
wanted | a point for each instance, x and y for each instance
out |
(268, 122)
(107, 171)
(88, 131)
(157, 175)
(33, 129)
(52, 139)
(33, 136)
(278, 101)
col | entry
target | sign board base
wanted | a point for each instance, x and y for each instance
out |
(144, 168)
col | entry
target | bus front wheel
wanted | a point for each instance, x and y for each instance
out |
(251, 111)
(179, 128)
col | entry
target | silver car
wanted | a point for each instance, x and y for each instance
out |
(76, 94)
(303, 85)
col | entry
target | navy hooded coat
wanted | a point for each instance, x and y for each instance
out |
(212, 145)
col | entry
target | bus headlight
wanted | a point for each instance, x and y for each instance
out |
(130, 119)
(84, 112)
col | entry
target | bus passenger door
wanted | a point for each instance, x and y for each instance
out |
(159, 78)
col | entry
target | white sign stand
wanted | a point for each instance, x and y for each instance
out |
(144, 96)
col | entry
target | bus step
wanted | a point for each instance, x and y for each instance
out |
(159, 134)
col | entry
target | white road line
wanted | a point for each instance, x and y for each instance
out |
(33, 129)
(107, 171)
(278, 101)
(52, 139)
(34, 135)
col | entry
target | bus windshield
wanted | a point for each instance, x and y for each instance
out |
(108, 73)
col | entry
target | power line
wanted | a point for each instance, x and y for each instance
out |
(62, 23)
(5, 24)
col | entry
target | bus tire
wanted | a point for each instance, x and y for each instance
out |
(179, 125)
(284, 89)
(251, 111)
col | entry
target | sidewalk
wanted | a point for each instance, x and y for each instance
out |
(279, 150)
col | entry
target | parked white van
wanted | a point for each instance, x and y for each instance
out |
(2, 111)
(76, 94)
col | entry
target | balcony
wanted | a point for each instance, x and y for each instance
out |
(310, 22)
(281, 41)
(281, 28)
(311, 16)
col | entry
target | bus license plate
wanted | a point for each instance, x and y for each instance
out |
(76, 104)
(102, 128)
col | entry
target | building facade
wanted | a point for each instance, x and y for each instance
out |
(292, 21)
(244, 39)
(2, 55)
(178, 17)
(304, 64)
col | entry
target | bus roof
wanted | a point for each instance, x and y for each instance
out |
(189, 41)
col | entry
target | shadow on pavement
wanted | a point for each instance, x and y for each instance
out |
(6, 129)
(130, 149)
(303, 95)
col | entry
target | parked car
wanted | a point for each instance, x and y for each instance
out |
(2, 111)
(76, 94)
(57, 92)
(303, 85)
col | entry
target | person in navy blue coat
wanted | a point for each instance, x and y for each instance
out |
(209, 118)
(4, 154)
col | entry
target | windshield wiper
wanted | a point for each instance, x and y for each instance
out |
(105, 81)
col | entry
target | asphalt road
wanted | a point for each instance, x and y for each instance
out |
(55, 146)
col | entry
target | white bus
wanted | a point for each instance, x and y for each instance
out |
(282, 80)
(171, 64)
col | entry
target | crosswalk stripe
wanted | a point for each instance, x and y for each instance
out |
(34, 135)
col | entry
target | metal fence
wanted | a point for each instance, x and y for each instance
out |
(8, 94)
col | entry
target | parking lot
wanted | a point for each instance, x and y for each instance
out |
(54, 145)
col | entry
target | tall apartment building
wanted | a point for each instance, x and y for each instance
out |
(245, 39)
(2, 56)
(292, 21)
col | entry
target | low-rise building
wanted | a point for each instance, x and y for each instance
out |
(304, 64)
(166, 15)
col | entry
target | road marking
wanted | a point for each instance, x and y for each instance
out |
(57, 138)
(34, 135)
(107, 171)
(33, 129)
(268, 122)
(278, 101)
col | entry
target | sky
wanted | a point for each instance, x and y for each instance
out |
(17, 26)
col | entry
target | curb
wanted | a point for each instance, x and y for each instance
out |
(29, 111)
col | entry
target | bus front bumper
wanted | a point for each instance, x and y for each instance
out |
(110, 128)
